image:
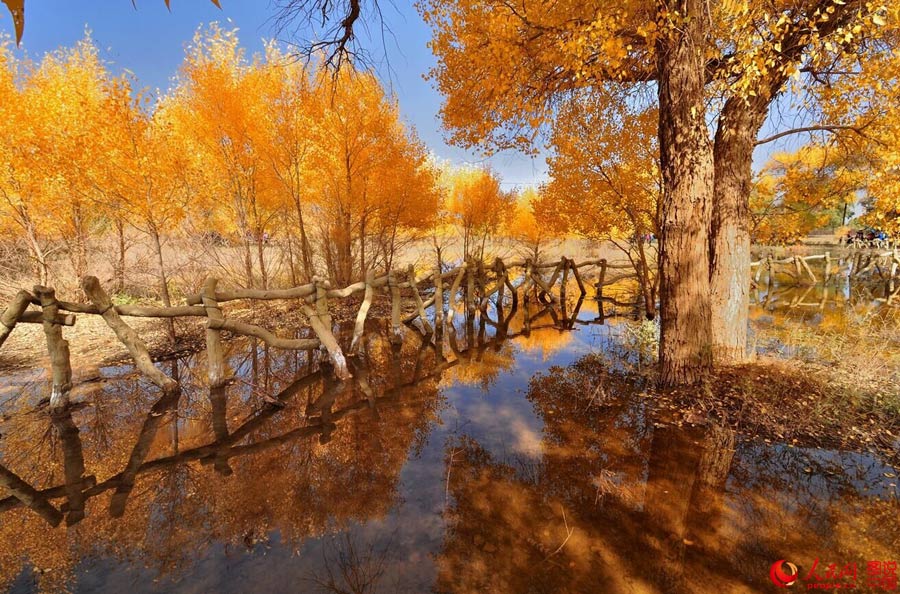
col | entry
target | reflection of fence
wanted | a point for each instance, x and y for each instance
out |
(322, 421)
(820, 296)
(322, 418)
(852, 264)
(471, 286)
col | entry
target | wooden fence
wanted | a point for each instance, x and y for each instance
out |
(852, 264)
(322, 418)
(468, 287)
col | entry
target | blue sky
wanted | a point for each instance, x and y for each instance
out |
(150, 43)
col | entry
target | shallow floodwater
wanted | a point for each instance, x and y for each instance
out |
(492, 464)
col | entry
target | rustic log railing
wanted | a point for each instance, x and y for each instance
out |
(851, 264)
(322, 418)
(471, 281)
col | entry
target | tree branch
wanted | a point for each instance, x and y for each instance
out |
(819, 128)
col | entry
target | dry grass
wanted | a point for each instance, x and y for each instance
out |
(858, 359)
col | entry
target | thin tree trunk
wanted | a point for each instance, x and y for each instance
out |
(120, 264)
(344, 251)
(78, 246)
(362, 245)
(293, 268)
(687, 171)
(41, 269)
(248, 260)
(466, 243)
(305, 248)
(163, 280)
(646, 281)
(261, 256)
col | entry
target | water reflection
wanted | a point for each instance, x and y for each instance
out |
(618, 502)
(444, 465)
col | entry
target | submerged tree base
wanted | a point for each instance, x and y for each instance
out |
(799, 403)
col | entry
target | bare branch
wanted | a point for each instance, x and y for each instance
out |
(820, 128)
(327, 28)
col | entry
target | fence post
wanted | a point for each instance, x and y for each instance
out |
(577, 276)
(322, 287)
(601, 279)
(127, 335)
(411, 274)
(363, 312)
(438, 301)
(470, 289)
(454, 291)
(58, 348)
(329, 342)
(11, 315)
(809, 271)
(215, 354)
(500, 271)
(526, 280)
(481, 288)
(396, 335)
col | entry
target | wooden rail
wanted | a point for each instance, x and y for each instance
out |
(850, 264)
(471, 284)
(322, 419)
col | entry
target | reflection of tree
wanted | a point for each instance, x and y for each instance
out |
(348, 570)
(481, 358)
(620, 502)
(306, 462)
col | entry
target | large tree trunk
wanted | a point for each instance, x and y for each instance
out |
(730, 229)
(687, 171)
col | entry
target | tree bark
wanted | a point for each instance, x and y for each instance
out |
(58, 348)
(730, 229)
(687, 171)
(248, 260)
(78, 242)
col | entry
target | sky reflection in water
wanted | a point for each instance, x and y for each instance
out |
(420, 475)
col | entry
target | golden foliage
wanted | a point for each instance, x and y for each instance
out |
(242, 148)
(802, 191)
(504, 67)
(604, 175)
(477, 205)
(526, 228)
